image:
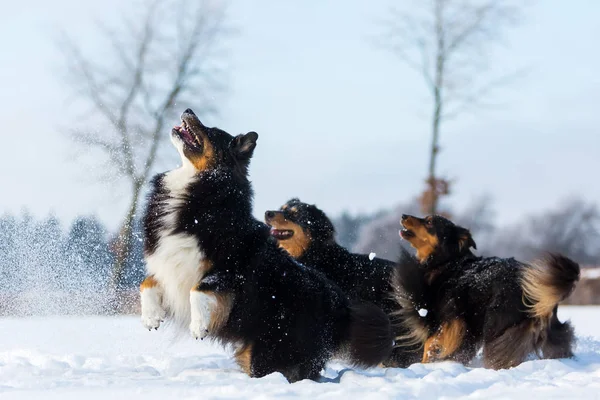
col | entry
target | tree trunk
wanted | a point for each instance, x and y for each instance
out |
(433, 152)
(123, 243)
(431, 207)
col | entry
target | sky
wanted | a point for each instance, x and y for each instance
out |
(342, 123)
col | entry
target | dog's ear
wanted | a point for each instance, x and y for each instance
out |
(465, 240)
(243, 146)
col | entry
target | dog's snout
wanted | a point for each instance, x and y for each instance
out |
(269, 214)
(189, 111)
(404, 217)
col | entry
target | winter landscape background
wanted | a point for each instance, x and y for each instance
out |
(483, 110)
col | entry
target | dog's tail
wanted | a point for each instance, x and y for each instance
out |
(547, 282)
(409, 292)
(371, 340)
(558, 340)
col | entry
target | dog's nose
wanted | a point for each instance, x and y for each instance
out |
(269, 214)
(404, 217)
(189, 111)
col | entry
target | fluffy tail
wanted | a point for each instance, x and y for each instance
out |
(409, 291)
(371, 338)
(547, 282)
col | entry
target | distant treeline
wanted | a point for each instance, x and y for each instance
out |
(49, 268)
(571, 228)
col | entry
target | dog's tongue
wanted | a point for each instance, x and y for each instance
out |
(185, 133)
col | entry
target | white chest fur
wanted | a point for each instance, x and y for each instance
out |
(177, 262)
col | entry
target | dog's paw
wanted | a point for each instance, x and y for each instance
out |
(152, 321)
(198, 329)
(152, 312)
(202, 305)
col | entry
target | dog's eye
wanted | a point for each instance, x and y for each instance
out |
(429, 223)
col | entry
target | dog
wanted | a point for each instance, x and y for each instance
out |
(454, 302)
(213, 267)
(308, 235)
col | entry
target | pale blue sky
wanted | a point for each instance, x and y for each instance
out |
(341, 123)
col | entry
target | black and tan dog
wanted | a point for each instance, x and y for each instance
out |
(307, 234)
(505, 306)
(213, 267)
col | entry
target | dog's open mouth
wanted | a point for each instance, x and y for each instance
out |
(185, 134)
(282, 234)
(406, 234)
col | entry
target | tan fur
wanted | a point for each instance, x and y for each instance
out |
(243, 357)
(204, 160)
(277, 220)
(298, 243)
(424, 242)
(445, 341)
(539, 296)
(220, 315)
(428, 349)
(463, 241)
(207, 157)
(148, 283)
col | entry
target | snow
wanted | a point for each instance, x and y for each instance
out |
(116, 358)
(590, 273)
(422, 312)
(372, 256)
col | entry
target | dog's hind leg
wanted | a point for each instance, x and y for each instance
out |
(558, 339)
(467, 350)
(269, 357)
(307, 370)
(512, 347)
(210, 307)
(265, 360)
(243, 357)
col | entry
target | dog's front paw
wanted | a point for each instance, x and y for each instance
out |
(153, 321)
(152, 312)
(198, 329)
(202, 305)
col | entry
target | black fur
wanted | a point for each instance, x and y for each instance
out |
(487, 294)
(293, 318)
(361, 278)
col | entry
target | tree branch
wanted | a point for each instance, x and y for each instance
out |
(477, 97)
(151, 61)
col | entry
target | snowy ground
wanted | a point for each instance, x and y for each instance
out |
(115, 358)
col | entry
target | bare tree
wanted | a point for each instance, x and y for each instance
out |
(163, 54)
(447, 42)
